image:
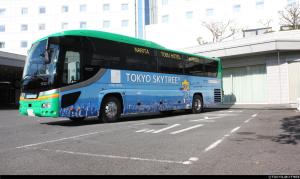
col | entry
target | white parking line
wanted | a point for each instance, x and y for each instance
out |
(167, 128)
(254, 115)
(194, 159)
(248, 120)
(187, 129)
(150, 131)
(57, 140)
(111, 156)
(223, 115)
(234, 130)
(143, 130)
(232, 111)
(206, 118)
(213, 145)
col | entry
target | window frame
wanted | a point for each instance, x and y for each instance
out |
(2, 44)
(24, 27)
(42, 10)
(65, 9)
(2, 28)
(24, 11)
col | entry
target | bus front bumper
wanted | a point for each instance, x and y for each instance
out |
(44, 106)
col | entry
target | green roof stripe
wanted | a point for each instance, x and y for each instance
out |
(119, 38)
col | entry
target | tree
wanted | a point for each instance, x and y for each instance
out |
(290, 16)
(221, 30)
(265, 22)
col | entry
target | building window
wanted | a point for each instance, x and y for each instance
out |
(209, 12)
(82, 25)
(2, 28)
(237, 8)
(24, 44)
(24, 10)
(64, 9)
(2, 11)
(2, 44)
(124, 7)
(82, 8)
(165, 19)
(292, 2)
(189, 15)
(42, 26)
(106, 7)
(260, 4)
(164, 2)
(24, 27)
(106, 24)
(42, 10)
(124, 23)
(64, 25)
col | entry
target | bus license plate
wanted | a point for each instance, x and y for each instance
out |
(31, 96)
(30, 112)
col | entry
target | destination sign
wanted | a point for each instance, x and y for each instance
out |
(142, 51)
(170, 55)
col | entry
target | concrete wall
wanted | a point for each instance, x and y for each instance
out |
(276, 72)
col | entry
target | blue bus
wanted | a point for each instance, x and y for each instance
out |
(82, 73)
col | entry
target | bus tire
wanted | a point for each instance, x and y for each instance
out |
(77, 119)
(197, 104)
(110, 110)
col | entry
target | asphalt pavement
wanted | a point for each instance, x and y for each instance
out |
(216, 142)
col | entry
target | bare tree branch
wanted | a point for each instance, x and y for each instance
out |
(290, 16)
(221, 30)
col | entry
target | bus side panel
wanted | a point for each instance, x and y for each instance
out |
(206, 87)
(142, 92)
(154, 92)
(89, 100)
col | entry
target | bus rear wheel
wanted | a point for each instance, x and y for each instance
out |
(197, 104)
(110, 110)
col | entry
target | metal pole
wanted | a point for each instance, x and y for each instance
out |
(135, 16)
(279, 71)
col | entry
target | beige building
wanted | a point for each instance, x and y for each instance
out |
(264, 69)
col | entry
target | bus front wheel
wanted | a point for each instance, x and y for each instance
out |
(197, 104)
(110, 110)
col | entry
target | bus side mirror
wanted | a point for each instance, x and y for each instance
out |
(47, 56)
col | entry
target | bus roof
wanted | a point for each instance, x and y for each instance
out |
(119, 38)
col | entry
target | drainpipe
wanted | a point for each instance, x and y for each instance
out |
(279, 71)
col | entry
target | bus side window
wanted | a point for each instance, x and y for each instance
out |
(105, 54)
(140, 59)
(71, 72)
(170, 63)
(194, 66)
(211, 68)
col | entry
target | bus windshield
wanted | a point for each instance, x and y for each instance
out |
(37, 73)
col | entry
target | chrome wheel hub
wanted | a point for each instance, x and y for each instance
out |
(198, 104)
(111, 109)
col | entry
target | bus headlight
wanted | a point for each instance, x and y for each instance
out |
(46, 105)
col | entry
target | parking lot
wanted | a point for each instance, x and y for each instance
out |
(232, 141)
